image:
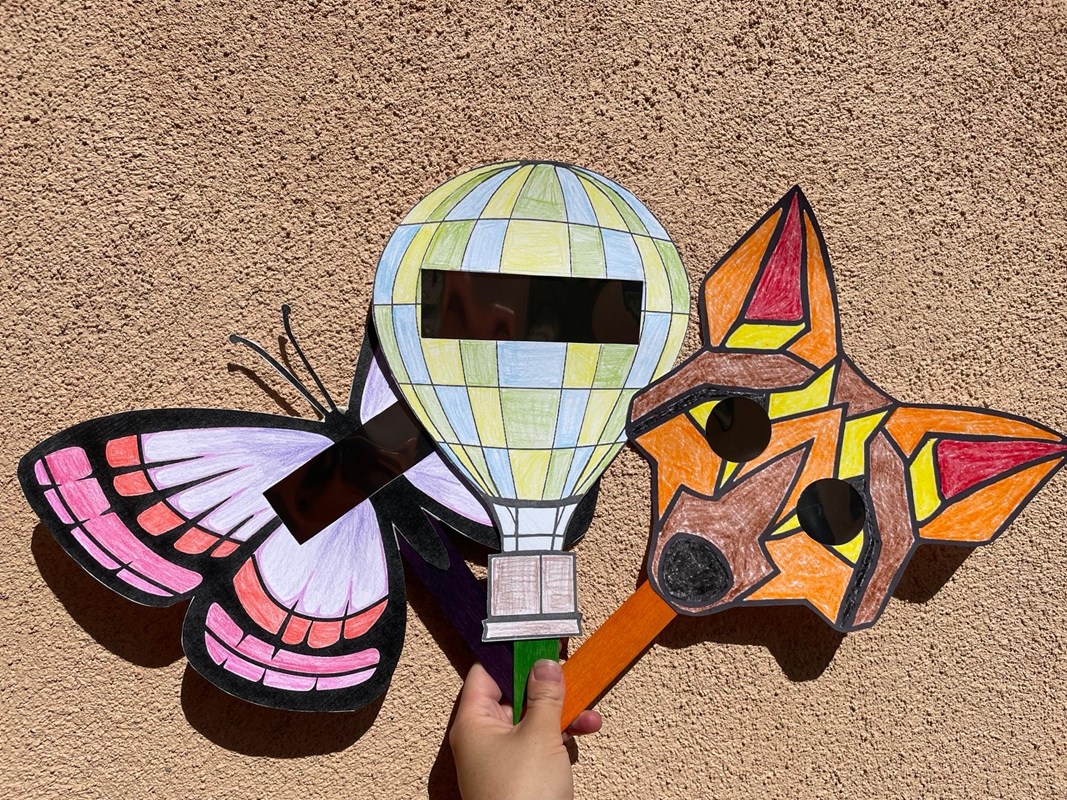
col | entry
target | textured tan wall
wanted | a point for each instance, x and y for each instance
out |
(172, 171)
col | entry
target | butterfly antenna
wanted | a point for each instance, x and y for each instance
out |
(290, 378)
(286, 311)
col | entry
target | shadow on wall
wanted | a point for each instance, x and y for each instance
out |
(287, 408)
(143, 635)
(801, 643)
(932, 566)
(442, 783)
(152, 637)
(255, 730)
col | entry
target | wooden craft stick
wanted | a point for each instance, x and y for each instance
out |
(610, 651)
(461, 598)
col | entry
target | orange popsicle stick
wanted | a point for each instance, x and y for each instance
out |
(610, 651)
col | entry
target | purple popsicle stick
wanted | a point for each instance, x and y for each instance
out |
(462, 599)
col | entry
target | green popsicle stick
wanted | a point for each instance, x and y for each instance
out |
(524, 655)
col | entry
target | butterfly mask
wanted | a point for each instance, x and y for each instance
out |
(782, 475)
(280, 530)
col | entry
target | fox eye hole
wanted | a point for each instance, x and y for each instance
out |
(738, 429)
(831, 511)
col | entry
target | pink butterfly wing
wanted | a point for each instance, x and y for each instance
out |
(146, 505)
(302, 618)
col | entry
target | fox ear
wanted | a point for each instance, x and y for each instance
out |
(971, 471)
(773, 291)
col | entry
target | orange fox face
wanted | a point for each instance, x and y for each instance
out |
(782, 475)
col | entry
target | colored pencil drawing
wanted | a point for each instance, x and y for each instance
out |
(781, 475)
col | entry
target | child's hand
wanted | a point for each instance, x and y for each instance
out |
(496, 760)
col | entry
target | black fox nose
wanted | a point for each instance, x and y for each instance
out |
(693, 571)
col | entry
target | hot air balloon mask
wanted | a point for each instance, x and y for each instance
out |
(520, 307)
(782, 475)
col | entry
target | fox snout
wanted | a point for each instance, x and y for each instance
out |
(707, 551)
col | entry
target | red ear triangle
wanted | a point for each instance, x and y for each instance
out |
(773, 291)
(962, 464)
(971, 470)
(779, 295)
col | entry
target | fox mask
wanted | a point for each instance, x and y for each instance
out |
(782, 475)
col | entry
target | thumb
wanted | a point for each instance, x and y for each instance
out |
(544, 701)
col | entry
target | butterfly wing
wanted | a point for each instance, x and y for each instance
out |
(152, 503)
(312, 626)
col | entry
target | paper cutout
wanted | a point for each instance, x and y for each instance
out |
(730, 534)
(488, 261)
(167, 505)
(912, 470)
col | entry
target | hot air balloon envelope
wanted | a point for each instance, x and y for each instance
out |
(520, 306)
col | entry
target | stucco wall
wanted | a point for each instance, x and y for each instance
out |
(171, 172)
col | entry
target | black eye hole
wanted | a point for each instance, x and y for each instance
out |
(831, 511)
(738, 429)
